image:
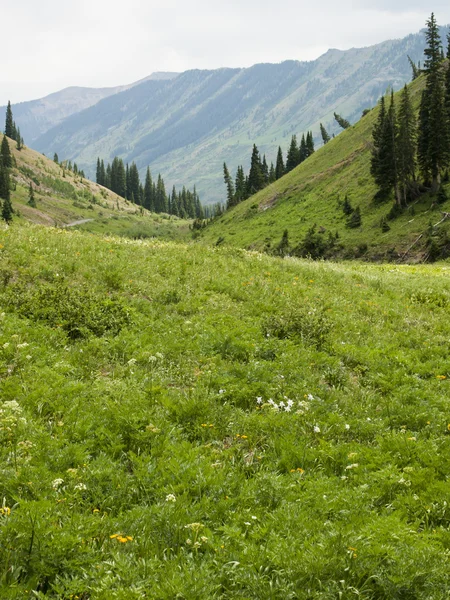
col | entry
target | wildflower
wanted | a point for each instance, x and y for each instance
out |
(56, 483)
(441, 377)
(132, 361)
(24, 345)
(347, 426)
(204, 539)
(353, 466)
(221, 391)
(96, 510)
(5, 511)
(316, 429)
(259, 400)
(80, 487)
(310, 397)
(171, 498)
(448, 427)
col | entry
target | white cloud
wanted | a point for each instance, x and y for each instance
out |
(106, 42)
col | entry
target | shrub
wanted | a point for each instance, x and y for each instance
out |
(309, 325)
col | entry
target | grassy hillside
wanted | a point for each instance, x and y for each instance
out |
(187, 422)
(64, 199)
(313, 194)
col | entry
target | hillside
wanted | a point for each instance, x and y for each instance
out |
(36, 117)
(65, 199)
(313, 193)
(188, 126)
(206, 423)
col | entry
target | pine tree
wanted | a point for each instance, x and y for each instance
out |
(134, 183)
(272, 176)
(149, 202)
(5, 194)
(310, 143)
(98, 173)
(279, 169)
(265, 170)
(19, 140)
(293, 155)
(354, 219)
(303, 151)
(433, 143)
(255, 177)
(9, 123)
(415, 69)
(433, 52)
(6, 153)
(31, 198)
(406, 144)
(347, 207)
(341, 121)
(230, 187)
(56, 160)
(240, 186)
(379, 151)
(324, 133)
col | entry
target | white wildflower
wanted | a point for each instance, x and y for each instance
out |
(80, 487)
(221, 391)
(316, 429)
(24, 345)
(171, 498)
(56, 483)
(132, 361)
(352, 466)
(347, 426)
(259, 400)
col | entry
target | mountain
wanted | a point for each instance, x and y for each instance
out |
(313, 195)
(38, 116)
(188, 126)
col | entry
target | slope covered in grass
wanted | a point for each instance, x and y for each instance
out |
(65, 199)
(313, 193)
(182, 422)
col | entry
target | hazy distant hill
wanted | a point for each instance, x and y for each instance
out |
(188, 126)
(38, 116)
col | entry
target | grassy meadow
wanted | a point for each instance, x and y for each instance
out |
(182, 422)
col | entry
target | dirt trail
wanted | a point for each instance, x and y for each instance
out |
(79, 222)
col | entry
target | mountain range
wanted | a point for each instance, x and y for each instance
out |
(185, 126)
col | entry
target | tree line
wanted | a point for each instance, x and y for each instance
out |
(260, 174)
(6, 163)
(124, 181)
(411, 154)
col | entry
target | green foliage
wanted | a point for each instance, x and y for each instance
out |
(188, 454)
(354, 220)
(341, 121)
(78, 312)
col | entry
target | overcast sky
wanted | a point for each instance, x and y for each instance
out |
(98, 43)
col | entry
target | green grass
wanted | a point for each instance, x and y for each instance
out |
(137, 461)
(312, 194)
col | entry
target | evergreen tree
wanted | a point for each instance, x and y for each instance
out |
(19, 140)
(31, 198)
(434, 138)
(5, 194)
(283, 247)
(341, 121)
(324, 133)
(303, 151)
(265, 170)
(406, 144)
(98, 173)
(161, 198)
(347, 207)
(230, 187)
(309, 143)
(381, 152)
(134, 183)
(272, 176)
(279, 169)
(149, 202)
(255, 177)
(56, 160)
(240, 186)
(6, 153)
(9, 123)
(433, 52)
(354, 219)
(415, 69)
(293, 155)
